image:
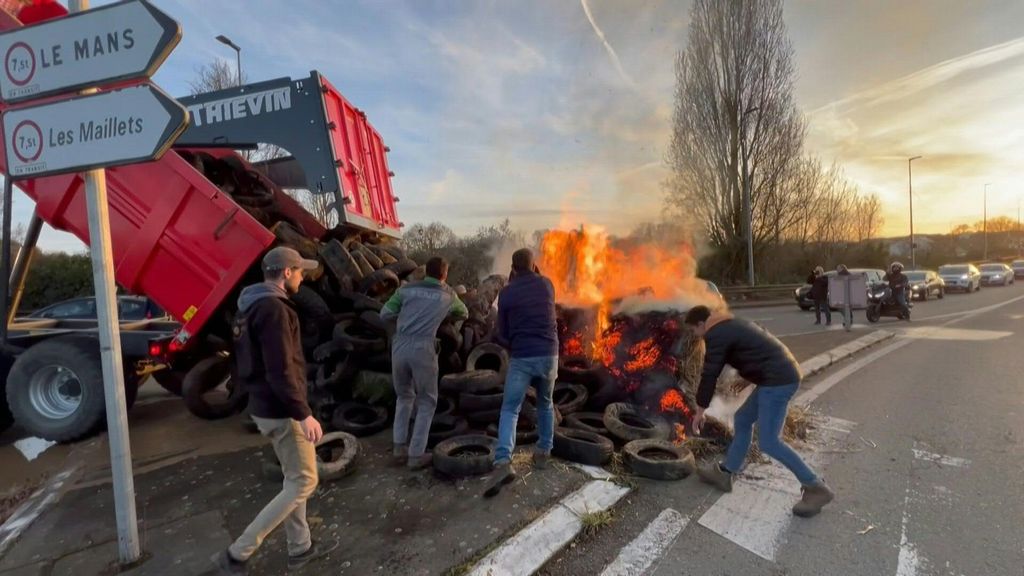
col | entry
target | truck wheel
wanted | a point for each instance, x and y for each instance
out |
(55, 389)
(209, 392)
(5, 413)
(170, 380)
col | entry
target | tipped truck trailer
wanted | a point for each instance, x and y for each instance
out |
(189, 231)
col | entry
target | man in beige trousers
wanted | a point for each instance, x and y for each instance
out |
(269, 363)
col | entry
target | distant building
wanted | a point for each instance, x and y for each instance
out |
(901, 248)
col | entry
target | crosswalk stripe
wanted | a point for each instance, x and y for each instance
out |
(640, 554)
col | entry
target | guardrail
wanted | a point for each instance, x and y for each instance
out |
(762, 292)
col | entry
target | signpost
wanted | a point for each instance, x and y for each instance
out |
(106, 129)
(116, 43)
(122, 41)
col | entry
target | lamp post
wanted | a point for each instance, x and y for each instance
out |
(238, 54)
(910, 186)
(748, 207)
(985, 221)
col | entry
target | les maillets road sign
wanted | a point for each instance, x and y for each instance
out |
(120, 41)
(126, 126)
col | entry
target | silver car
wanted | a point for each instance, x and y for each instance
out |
(996, 275)
(961, 277)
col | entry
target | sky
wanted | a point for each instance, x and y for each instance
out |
(555, 113)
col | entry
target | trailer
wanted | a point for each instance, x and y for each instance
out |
(188, 231)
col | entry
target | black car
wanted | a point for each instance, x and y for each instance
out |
(1018, 268)
(925, 283)
(129, 308)
(803, 293)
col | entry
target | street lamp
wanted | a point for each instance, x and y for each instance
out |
(238, 54)
(910, 185)
(747, 201)
(985, 221)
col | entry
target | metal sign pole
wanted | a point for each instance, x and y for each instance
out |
(110, 352)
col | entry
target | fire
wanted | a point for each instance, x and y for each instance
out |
(672, 402)
(644, 355)
(680, 434)
(573, 346)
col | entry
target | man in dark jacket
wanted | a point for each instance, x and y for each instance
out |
(899, 284)
(269, 364)
(764, 361)
(526, 326)
(819, 293)
(420, 308)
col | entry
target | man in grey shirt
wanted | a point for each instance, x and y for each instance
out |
(420, 308)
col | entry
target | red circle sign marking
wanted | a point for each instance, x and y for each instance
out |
(20, 63)
(27, 141)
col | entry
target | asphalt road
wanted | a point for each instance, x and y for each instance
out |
(923, 444)
(790, 320)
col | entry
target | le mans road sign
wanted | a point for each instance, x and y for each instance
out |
(121, 41)
(126, 126)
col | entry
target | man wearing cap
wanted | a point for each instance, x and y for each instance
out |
(420, 308)
(269, 364)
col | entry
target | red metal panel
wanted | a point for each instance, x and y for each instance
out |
(362, 157)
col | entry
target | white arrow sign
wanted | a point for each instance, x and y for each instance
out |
(107, 129)
(116, 42)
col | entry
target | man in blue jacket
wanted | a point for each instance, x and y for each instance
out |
(526, 326)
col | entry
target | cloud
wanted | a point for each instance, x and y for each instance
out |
(607, 46)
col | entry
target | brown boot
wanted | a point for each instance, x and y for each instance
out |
(503, 474)
(541, 459)
(814, 499)
(714, 475)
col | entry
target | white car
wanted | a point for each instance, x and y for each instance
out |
(961, 277)
(996, 275)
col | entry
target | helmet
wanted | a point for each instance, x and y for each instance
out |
(896, 266)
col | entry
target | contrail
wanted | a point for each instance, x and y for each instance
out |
(607, 46)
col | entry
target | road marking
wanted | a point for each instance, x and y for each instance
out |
(756, 515)
(941, 458)
(34, 507)
(958, 334)
(640, 554)
(595, 472)
(910, 560)
(530, 548)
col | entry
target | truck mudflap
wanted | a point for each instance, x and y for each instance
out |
(333, 148)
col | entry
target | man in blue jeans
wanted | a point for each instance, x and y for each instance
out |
(764, 361)
(526, 326)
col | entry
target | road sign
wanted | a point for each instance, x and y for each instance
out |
(135, 124)
(116, 42)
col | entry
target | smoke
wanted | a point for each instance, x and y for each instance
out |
(607, 45)
(501, 256)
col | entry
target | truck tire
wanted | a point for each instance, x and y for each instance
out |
(470, 455)
(55, 389)
(395, 250)
(582, 447)
(206, 376)
(472, 381)
(588, 422)
(359, 419)
(6, 419)
(488, 356)
(372, 258)
(481, 400)
(569, 398)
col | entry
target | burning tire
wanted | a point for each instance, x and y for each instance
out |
(658, 459)
(488, 356)
(336, 455)
(569, 398)
(582, 447)
(489, 399)
(359, 419)
(473, 381)
(461, 456)
(444, 427)
(209, 392)
(588, 422)
(628, 422)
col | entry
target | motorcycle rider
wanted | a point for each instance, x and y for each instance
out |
(899, 284)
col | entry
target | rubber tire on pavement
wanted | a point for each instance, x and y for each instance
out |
(81, 355)
(336, 455)
(449, 461)
(472, 381)
(359, 419)
(488, 356)
(582, 447)
(653, 427)
(171, 380)
(574, 397)
(444, 427)
(206, 375)
(587, 421)
(681, 465)
(489, 399)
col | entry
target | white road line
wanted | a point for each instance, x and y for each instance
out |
(639, 555)
(34, 507)
(595, 472)
(910, 560)
(941, 458)
(528, 550)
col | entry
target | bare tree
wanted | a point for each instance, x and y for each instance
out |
(216, 75)
(735, 123)
(429, 238)
(868, 217)
(320, 206)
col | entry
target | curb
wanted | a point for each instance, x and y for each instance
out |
(824, 360)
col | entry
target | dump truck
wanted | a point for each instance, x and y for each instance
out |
(189, 231)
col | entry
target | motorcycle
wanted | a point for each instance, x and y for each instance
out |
(882, 302)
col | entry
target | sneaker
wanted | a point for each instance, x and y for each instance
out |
(716, 476)
(813, 500)
(399, 454)
(226, 564)
(503, 474)
(420, 462)
(541, 459)
(317, 550)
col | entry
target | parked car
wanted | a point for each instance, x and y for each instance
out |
(129, 308)
(926, 283)
(996, 274)
(803, 293)
(961, 277)
(1018, 268)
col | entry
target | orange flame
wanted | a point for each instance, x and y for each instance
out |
(644, 354)
(680, 434)
(672, 401)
